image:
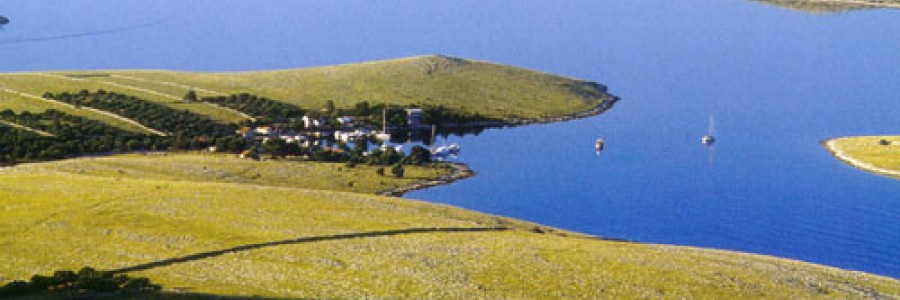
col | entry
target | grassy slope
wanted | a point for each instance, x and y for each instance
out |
(39, 83)
(58, 217)
(230, 169)
(473, 86)
(828, 6)
(867, 149)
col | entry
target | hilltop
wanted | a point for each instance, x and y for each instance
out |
(168, 218)
(469, 86)
(830, 6)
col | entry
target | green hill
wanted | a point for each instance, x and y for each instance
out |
(198, 225)
(470, 86)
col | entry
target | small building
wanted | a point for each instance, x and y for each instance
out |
(312, 122)
(247, 133)
(346, 120)
(414, 117)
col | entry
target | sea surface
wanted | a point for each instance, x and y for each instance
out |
(777, 82)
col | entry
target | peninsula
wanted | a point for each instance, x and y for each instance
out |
(876, 154)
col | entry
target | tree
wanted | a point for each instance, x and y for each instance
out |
(191, 96)
(275, 147)
(884, 142)
(380, 171)
(397, 170)
(329, 107)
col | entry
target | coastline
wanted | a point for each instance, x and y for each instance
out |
(830, 145)
(460, 171)
(600, 108)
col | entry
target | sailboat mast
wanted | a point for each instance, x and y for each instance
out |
(712, 126)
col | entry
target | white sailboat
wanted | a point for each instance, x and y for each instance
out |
(442, 152)
(383, 136)
(710, 137)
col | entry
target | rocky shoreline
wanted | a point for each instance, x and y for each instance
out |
(596, 110)
(460, 171)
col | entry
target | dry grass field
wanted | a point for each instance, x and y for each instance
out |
(869, 153)
(313, 240)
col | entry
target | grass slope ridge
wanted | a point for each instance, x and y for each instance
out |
(876, 154)
(194, 233)
(830, 6)
(489, 89)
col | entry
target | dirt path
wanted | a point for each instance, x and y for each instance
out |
(831, 145)
(152, 92)
(94, 110)
(26, 128)
(169, 83)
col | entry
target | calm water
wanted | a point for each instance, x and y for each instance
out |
(777, 81)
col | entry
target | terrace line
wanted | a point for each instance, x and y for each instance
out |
(94, 110)
(140, 89)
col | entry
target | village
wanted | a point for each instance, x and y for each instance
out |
(335, 134)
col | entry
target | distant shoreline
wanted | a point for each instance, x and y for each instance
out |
(460, 171)
(836, 151)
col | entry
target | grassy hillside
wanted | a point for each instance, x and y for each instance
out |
(878, 154)
(68, 214)
(829, 6)
(471, 86)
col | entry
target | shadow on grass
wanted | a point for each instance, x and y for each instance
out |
(248, 247)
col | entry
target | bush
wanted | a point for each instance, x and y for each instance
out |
(380, 171)
(85, 281)
(397, 170)
(884, 142)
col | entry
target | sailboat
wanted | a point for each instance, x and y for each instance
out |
(383, 135)
(444, 151)
(709, 138)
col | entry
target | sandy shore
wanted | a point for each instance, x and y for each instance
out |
(832, 147)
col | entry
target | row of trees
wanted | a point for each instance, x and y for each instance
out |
(345, 153)
(259, 107)
(60, 124)
(75, 136)
(150, 114)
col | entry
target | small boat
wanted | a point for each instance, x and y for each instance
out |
(709, 138)
(4, 20)
(599, 145)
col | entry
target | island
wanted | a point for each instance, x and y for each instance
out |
(830, 6)
(140, 184)
(876, 154)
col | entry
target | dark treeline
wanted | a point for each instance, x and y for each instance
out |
(396, 114)
(76, 136)
(150, 114)
(258, 107)
(60, 124)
